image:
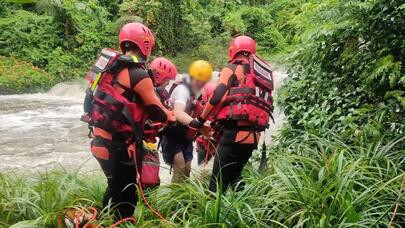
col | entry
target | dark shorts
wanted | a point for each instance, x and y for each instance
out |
(171, 147)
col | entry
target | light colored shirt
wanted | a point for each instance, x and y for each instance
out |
(181, 95)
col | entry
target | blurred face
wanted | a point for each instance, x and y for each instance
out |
(197, 85)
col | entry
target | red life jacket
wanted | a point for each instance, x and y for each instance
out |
(199, 107)
(250, 99)
(104, 106)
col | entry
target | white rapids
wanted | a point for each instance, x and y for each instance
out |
(43, 130)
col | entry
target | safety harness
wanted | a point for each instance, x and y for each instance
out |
(251, 98)
(120, 115)
(104, 105)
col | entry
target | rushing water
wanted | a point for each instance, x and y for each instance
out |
(43, 130)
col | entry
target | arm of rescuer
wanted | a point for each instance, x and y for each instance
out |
(226, 78)
(154, 106)
(143, 86)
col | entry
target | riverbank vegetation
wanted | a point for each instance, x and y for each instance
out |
(340, 157)
(315, 182)
(19, 76)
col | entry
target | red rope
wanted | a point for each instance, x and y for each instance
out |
(129, 219)
(145, 200)
(81, 213)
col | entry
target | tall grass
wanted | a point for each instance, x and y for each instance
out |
(314, 182)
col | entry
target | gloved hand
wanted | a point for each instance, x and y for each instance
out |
(206, 130)
(197, 123)
(151, 131)
(193, 127)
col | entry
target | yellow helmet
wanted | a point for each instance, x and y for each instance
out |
(200, 70)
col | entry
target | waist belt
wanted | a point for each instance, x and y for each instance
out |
(245, 91)
(250, 100)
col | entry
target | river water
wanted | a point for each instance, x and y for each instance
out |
(42, 131)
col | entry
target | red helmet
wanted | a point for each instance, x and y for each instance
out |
(242, 43)
(138, 34)
(208, 91)
(164, 69)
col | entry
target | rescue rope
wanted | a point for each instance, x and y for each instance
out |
(129, 219)
(397, 204)
(205, 161)
(94, 216)
(81, 213)
(145, 200)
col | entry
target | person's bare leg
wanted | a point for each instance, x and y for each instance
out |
(179, 168)
(187, 169)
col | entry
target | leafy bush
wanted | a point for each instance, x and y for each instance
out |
(63, 38)
(247, 20)
(346, 70)
(18, 76)
(28, 36)
(177, 25)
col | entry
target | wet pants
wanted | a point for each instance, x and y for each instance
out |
(229, 162)
(120, 171)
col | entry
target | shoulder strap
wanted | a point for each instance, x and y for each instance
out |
(138, 136)
(188, 86)
(233, 66)
(123, 61)
(174, 85)
(183, 82)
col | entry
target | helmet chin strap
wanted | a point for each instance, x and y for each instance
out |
(243, 55)
(132, 49)
(141, 57)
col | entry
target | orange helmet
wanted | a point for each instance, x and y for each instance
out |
(241, 43)
(163, 69)
(138, 34)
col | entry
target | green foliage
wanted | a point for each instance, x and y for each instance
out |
(346, 70)
(17, 76)
(111, 6)
(247, 20)
(64, 37)
(314, 182)
(177, 25)
(40, 199)
(61, 37)
(28, 36)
